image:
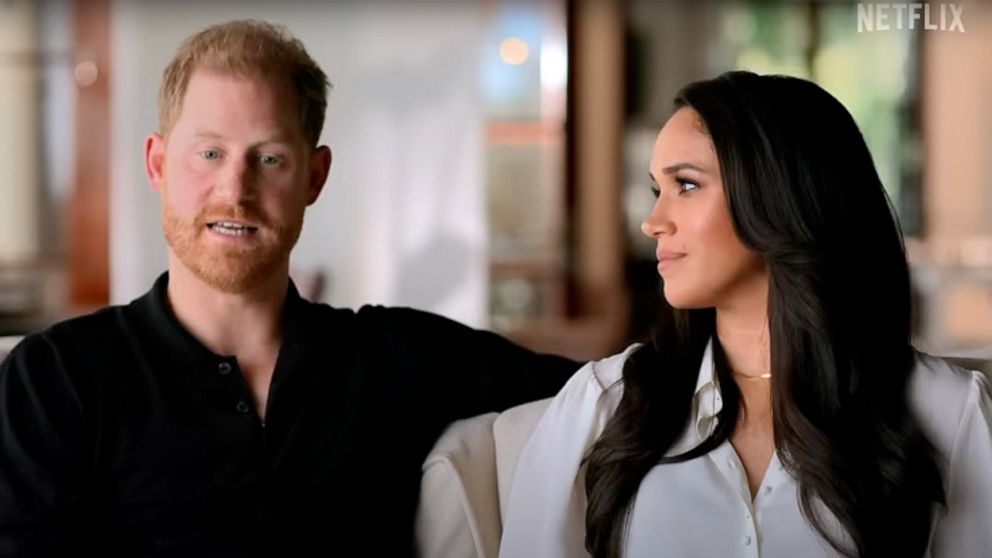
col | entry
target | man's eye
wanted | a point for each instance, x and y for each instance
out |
(210, 154)
(269, 160)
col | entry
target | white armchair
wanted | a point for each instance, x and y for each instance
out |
(466, 477)
(6, 344)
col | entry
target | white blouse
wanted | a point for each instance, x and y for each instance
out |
(703, 507)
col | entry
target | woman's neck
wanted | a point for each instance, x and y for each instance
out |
(742, 330)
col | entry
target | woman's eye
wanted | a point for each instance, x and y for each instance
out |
(269, 160)
(210, 154)
(686, 186)
(656, 192)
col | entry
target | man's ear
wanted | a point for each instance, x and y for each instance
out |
(155, 160)
(320, 167)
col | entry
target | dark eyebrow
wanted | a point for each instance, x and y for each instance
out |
(672, 169)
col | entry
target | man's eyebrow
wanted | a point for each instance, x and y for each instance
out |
(278, 137)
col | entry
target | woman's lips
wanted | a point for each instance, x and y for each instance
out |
(667, 259)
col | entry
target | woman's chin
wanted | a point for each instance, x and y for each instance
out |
(682, 300)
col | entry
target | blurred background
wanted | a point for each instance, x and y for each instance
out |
(490, 156)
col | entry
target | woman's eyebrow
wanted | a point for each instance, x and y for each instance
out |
(672, 169)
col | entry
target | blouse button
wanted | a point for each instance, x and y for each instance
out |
(224, 368)
(242, 407)
(747, 540)
(768, 490)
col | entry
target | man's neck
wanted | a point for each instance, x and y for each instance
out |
(228, 324)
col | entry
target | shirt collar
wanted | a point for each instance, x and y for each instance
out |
(153, 314)
(706, 399)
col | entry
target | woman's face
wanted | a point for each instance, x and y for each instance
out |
(700, 258)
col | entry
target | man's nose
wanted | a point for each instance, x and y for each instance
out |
(236, 183)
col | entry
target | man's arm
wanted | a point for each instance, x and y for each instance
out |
(473, 371)
(41, 440)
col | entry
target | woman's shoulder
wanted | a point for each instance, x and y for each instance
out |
(608, 372)
(597, 377)
(592, 393)
(942, 393)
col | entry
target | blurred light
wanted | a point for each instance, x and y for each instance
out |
(86, 73)
(513, 51)
(554, 66)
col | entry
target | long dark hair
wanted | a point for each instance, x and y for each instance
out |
(803, 192)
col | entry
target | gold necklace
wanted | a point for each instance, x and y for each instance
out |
(765, 376)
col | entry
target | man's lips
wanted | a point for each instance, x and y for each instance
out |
(233, 223)
(232, 228)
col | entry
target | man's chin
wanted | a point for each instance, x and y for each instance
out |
(231, 284)
(234, 277)
(230, 269)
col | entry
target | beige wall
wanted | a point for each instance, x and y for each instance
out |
(19, 140)
(954, 260)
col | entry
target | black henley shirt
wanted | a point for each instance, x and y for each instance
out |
(122, 435)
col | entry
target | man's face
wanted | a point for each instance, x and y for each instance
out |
(235, 175)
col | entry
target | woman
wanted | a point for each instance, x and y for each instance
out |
(779, 410)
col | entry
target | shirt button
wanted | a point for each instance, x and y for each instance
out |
(768, 490)
(224, 368)
(242, 407)
(747, 540)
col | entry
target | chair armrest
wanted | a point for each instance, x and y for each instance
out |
(7, 344)
(466, 475)
(458, 513)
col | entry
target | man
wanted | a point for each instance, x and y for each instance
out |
(221, 414)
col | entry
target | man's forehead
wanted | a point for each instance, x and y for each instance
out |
(209, 76)
(215, 96)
